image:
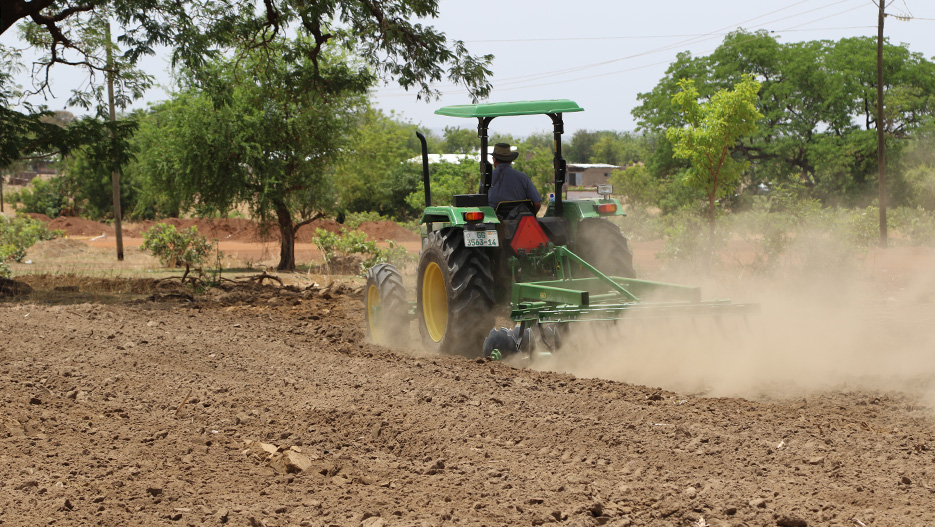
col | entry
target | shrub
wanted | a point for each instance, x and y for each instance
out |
(175, 248)
(19, 234)
(42, 197)
(337, 248)
(689, 242)
(916, 225)
(354, 220)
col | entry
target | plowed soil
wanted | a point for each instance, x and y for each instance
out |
(141, 402)
(266, 405)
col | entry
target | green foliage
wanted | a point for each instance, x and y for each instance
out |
(19, 234)
(637, 184)
(912, 177)
(354, 220)
(447, 179)
(712, 129)
(368, 177)
(918, 187)
(176, 248)
(273, 145)
(390, 38)
(536, 163)
(336, 248)
(580, 147)
(818, 99)
(688, 245)
(41, 197)
(269, 94)
(458, 140)
(916, 225)
(862, 229)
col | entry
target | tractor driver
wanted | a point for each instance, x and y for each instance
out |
(509, 184)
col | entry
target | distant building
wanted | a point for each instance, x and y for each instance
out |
(588, 174)
(21, 178)
(41, 169)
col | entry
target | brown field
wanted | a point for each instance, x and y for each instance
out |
(128, 400)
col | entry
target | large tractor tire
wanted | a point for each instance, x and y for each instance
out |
(387, 311)
(455, 294)
(601, 244)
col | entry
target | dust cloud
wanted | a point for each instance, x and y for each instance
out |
(867, 326)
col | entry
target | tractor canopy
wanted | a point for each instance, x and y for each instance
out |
(486, 112)
(503, 109)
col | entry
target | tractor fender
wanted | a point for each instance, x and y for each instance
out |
(449, 216)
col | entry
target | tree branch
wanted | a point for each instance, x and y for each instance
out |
(303, 223)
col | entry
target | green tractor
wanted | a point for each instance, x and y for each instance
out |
(570, 265)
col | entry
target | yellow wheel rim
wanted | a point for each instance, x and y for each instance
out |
(373, 311)
(434, 301)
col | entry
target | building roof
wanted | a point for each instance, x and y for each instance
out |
(447, 158)
(591, 165)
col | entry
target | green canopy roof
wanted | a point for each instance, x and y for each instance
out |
(500, 109)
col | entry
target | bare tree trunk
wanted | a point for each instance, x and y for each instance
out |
(115, 175)
(712, 214)
(881, 129)
(287, 235)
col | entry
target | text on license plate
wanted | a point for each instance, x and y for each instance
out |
(481, 239)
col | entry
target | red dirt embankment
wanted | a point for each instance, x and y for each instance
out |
(224, 229)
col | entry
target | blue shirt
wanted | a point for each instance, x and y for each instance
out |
(509, 184)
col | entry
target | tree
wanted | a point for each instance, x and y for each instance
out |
(713, 129)
(536, 162)
(382, 34)
(580, 148)
(382, 39)
(273, 145)
(447, 179)
(364, 175)
(818, 99)
(460, 140)
(619, 148)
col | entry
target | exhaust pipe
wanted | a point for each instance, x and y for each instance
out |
(425, 169)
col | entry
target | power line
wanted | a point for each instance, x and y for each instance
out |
(607, 74)
(638, 37)
(704, 36)
(509, 82)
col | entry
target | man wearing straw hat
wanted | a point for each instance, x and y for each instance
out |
(509, 184)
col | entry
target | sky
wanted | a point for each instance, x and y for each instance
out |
(603, 53)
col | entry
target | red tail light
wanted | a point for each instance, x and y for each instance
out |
(473, 216)
(607, 208)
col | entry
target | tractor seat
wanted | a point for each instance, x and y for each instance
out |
(470, 200)
(505, 208)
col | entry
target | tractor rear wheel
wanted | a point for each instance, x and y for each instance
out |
(387, 311)
(601, 244)
(454, 294)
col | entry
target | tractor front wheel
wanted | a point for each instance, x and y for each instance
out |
(601, 244)
(454, 294)
(387, 311)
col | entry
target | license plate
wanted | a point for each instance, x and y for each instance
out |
(481, 239)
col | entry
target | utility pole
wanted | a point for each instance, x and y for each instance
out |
(881, 142)
(115, 175)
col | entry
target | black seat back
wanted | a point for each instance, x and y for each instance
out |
(504, 208)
